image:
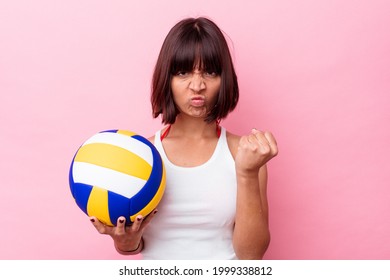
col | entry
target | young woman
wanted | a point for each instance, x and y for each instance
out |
(215, 202)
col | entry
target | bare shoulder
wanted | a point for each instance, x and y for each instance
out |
(151, 139)
(233, 140)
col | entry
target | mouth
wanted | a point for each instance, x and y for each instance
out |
(197, 101)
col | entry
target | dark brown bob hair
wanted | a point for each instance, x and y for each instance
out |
(192, 42)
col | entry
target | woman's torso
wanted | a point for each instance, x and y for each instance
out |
(197, 212)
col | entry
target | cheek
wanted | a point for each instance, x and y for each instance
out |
(174, 87)
(179, 98)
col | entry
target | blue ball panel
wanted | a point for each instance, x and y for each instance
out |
(146, 194)
(111, 130)
(118, 205)
(81, 193)
(71, 181)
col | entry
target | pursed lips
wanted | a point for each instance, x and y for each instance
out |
(197, 101)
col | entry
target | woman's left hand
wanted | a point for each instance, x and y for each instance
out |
(254, 151)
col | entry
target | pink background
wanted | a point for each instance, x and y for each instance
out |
(315, 73)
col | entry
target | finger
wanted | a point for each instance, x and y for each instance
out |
(120, 225)
(100, 227)
(137, 223)
(272, 142)
(251, 139)
(149, 218)
(270, 138)
(266, 137)
(252, 143)
(261, 139)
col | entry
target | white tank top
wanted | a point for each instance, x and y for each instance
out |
(196, 214)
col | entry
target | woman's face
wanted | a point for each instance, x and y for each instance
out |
(195, 93)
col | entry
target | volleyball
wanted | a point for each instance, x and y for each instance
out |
(117, 173)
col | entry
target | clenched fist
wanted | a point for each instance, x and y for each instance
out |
(255, 150)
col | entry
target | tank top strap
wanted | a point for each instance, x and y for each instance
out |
(157, 139)
(224, 146)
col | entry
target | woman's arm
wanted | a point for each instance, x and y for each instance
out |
(251, 235)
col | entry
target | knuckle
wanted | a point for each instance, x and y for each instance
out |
(242, 142)
(117, 234)
(253, 148)
(134, 228)
(266, 150)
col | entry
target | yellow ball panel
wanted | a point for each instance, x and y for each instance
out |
(115, 158)
(98, 205)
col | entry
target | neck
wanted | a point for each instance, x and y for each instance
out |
(192, 128)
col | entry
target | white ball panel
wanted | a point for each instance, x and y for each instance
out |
(108, 179)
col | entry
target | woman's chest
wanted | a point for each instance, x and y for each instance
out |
(189, 153)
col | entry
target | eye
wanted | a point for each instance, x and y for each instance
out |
(210, 74)
(182, 74)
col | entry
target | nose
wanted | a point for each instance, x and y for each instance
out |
(197, 83)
